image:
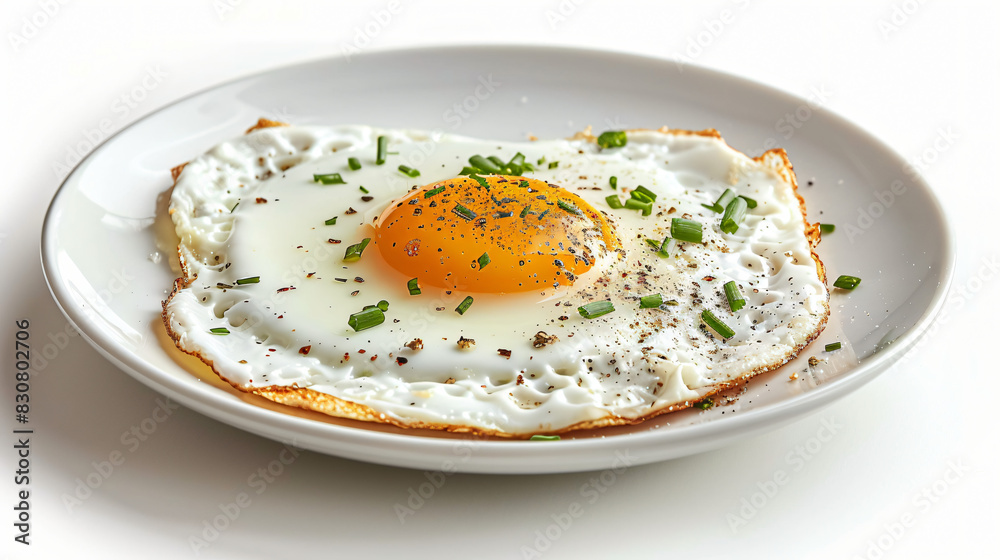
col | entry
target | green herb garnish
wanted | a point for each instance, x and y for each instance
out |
(685, 230)
(463, 212)
(612, 139)
(433, 192)
(733, 295)
(464, 306)
(720, 204)
(845, 282)
(329, 179)
(649, 302)
(482, 182)
(569, 207)
(733, 217)
(408, 171)
(717, 325)
(636, 204)
(595, 309)
(413, 286)
(353, 252)
(366, 319)
(383, 145)
(484, 165)
(643, 194)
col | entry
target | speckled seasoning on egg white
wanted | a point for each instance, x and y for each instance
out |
(488, 338)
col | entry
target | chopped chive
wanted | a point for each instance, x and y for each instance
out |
(354, 163)
(329, 179)
(733, 295)
(614, 182)
(525, 211)
(353, 252)
(720, 204)
(528, 166)
(662, 248)
(541, 160)
(501, 164)
(641, 197)
(331, 222)
(413, 286)
(524, 184)
(383, 305)
(649, 302)
(612, 139)
(595, 309)
(366, 319)
(483, 260)
(468, 170)
(705, 404)
(383, 145)
(717, 325)
(685, 230)
(827, 228)
(463, 212)
(553, 165)
(233, 209)
(250, 280)
(668, 247)
(433, 192)
(751, 203)
(539, 437)
(735, 212)
(614, 201)
(408, 171)
(484, 165)
(363, 189)
(645, 193)
(569, 207)
(833, 346)
(516, 163)
(636, 204)
(845, 282)
(219, 330)
(672, 302)
(482, 182)
(464, 306)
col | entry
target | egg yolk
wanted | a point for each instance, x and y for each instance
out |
(493, 234)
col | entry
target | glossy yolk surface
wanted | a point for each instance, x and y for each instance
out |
(536, 235)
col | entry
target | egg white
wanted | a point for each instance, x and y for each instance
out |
(288, 334)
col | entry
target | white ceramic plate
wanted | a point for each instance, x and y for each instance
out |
(106, 225)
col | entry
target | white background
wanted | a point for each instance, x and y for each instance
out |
(910, 72)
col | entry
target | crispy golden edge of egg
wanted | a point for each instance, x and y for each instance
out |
(308, 399)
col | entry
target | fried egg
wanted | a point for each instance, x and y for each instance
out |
(430, 280)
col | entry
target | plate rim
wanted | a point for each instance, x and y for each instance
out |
(217, 406)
